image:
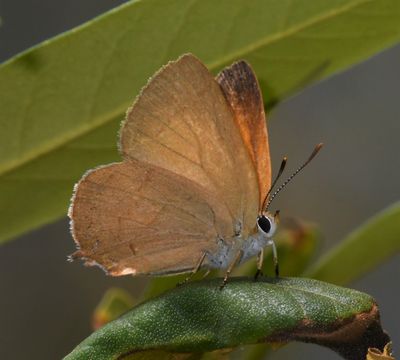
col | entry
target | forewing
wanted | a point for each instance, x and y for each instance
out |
(135, 218)
(182, 122)
(240, 87)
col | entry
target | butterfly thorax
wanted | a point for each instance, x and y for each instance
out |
(250, 247)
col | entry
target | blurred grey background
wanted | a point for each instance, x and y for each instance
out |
(46, 302)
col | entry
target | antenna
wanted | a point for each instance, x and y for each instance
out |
(315, 152)
(282, 167)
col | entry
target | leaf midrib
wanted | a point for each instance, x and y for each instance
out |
(50, 146)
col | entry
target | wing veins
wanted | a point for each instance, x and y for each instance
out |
(156, 200)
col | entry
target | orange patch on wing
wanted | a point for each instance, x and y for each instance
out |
(240, 87)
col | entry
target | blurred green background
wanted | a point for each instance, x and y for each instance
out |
(46, 302)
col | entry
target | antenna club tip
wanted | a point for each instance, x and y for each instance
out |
(315, 152)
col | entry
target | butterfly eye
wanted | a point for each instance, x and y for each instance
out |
(264, 223)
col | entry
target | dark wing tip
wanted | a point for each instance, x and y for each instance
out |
(240, 86)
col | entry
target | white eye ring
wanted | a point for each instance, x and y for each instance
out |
(266, 225)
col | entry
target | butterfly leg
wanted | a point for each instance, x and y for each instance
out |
(195, 269)
(260, 260)
(206, 274)
(236, 260)
(275, 257)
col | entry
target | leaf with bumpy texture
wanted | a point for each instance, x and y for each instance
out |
(200, 317)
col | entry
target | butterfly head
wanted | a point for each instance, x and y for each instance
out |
(267, 224)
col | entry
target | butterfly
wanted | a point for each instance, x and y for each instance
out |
(192, 190)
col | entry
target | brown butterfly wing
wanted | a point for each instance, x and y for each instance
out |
(136, 218)
(187, 180)
(240, 87)
(183, 123)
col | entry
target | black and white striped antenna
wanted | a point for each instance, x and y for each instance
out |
(287, 181)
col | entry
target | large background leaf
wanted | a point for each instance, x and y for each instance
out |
(361, 251)
(61, 102)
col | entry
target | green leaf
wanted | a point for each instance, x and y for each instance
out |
(200, 317)
(362, 250)
(61, 101)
